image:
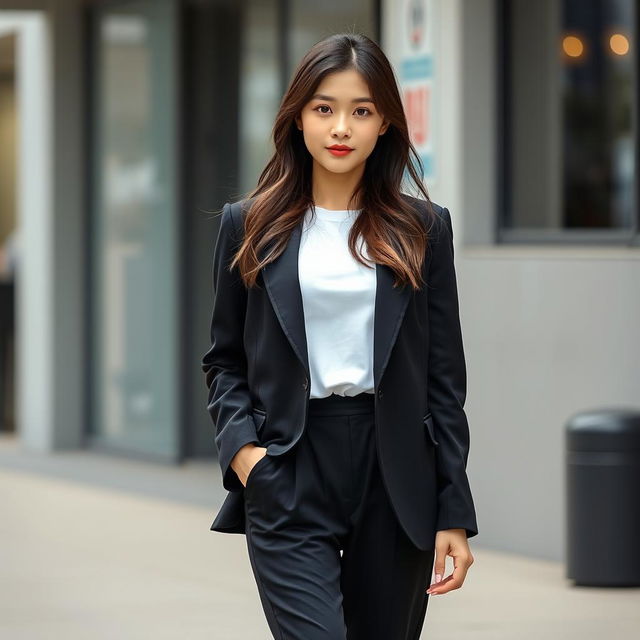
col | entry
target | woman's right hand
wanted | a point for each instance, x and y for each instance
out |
(245, 459)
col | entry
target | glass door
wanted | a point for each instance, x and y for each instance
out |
(134, 243)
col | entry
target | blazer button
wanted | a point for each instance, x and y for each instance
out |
(305, 384)
(379, 393)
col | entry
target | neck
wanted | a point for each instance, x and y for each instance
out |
(333, 190)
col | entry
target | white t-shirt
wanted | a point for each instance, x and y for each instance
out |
(338, 297)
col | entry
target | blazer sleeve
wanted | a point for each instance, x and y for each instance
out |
(447, 381)
(225, 363)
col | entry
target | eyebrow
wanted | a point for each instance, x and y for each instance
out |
(320, 96)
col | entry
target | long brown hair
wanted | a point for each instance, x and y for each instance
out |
(394, 231)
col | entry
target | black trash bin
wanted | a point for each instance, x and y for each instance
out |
(603, 497)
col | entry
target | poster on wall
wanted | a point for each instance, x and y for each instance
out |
(416, 77)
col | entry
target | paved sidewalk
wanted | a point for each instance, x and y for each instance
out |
(99, 547)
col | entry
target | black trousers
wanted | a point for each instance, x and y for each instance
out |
(322, 497)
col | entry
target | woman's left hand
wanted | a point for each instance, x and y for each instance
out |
(452, 542)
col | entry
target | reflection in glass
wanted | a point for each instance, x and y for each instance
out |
(133, 292)
(570, 157)
(260, 90)
(262, 76)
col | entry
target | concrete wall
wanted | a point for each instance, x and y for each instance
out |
(548, 330)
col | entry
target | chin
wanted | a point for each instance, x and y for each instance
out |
(342, 171)
(339, 166)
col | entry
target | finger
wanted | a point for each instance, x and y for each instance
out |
(454, 581)
(438, 569)
(435, 588)
(439, 564)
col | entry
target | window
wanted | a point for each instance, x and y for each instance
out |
(134, 293)
(567, 121)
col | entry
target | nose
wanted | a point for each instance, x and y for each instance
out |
(341, 127)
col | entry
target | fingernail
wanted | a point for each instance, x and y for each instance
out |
(438, 577)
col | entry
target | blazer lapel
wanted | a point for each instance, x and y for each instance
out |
(283, 287)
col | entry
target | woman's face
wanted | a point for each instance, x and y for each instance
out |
(341, 113)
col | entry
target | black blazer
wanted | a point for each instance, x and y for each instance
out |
(257, 373)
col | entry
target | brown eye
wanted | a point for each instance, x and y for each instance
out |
(363, 109)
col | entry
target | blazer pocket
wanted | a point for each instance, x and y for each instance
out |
(259, 416)
(428, 421)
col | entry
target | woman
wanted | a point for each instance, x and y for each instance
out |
(336, 371)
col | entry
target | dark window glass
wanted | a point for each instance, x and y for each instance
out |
(568, 93)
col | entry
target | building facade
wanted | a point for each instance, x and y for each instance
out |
(138, 119)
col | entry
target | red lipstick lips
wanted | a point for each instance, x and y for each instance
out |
(339, 149)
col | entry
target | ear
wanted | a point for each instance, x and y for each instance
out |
(299, 122)
(383, 128)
